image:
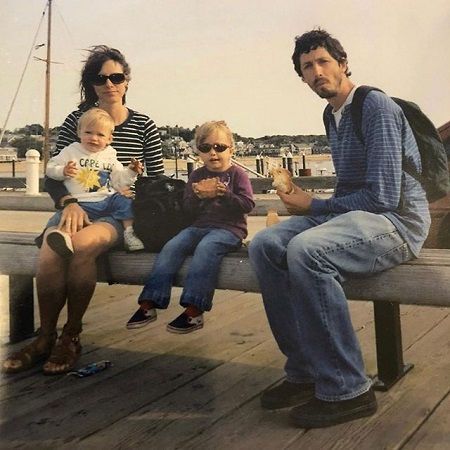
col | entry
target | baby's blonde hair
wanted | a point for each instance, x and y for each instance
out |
(96, 116)
(203, 131)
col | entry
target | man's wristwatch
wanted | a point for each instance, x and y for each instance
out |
(68, 201)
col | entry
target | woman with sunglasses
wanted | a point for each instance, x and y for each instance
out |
(219, 196)
(104, 83)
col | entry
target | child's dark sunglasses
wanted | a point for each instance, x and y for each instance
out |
(100, 80)
(205, 148)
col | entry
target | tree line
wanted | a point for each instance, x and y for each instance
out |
(31, 136)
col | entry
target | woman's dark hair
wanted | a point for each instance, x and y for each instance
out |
(313, 40)
(98, 55)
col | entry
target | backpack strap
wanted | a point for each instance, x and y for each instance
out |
(326, 118)
(357, 109)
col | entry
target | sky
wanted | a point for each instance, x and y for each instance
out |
(198, 60)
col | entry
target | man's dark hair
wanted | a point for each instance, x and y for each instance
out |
(314, 39)
(98, 55)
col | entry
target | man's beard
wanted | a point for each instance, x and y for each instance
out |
(325, 93)
(325, 90)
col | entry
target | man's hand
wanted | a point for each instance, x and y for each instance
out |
(297, 203)
(70, 169)
(73, 219)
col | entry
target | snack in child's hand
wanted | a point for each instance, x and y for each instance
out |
(282, 179)
(136, 166)
(206, 188)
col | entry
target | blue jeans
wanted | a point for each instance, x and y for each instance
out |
(111, 210)
(208, 246)
(116, 206)
(300, 264)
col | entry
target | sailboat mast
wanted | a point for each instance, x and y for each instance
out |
(47, 89)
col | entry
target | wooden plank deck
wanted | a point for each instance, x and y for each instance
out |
(201, 391)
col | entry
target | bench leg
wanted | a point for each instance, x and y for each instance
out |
(388, 337)
(21, 307)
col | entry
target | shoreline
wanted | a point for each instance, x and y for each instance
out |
(19, 167)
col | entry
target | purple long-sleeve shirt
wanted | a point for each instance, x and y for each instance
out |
(228, 211)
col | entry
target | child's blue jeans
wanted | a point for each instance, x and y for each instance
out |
(207, 247)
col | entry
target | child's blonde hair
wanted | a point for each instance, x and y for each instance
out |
(203, 131)
(96, 116)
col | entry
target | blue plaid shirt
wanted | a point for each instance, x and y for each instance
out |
(370, 177)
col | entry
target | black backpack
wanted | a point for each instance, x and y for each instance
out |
(158, 210)
(434, 177)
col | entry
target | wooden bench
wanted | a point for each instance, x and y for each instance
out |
(423, 281)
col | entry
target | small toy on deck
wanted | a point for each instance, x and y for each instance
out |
(91, 369)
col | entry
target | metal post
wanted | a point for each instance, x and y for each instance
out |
(258, 164)
(388, 337)
(190, 167)
(32, 172)
(289, 163)
(21, 307)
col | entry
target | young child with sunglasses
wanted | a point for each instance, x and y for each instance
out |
(220, 196)
(93, 176)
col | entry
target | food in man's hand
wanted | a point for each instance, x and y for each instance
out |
(282, 179)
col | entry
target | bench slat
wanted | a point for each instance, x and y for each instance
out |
(424, 281)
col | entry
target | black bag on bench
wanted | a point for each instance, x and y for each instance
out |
(158, 210)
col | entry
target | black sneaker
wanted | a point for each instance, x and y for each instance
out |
(320, 414)
(61, 243)
(141, 318)
(287, 394)
(184, 324)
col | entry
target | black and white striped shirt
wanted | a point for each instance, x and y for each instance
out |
(137, 137)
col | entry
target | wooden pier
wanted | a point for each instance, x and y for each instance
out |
(201, 390)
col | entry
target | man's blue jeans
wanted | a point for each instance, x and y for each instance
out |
(208, 246)
(300, 264)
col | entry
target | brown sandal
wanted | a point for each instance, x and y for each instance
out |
(64, 356)
(31, 354)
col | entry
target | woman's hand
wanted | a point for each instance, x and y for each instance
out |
(297, 203)
(73, 219)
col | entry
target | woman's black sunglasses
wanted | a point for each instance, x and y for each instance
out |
(205, 148)
(99, 80)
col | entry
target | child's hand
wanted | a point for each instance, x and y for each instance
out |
(136, 166)
(207, 188)
(221, 189)
(70, 169)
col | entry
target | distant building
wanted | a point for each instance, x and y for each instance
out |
(8, 154)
